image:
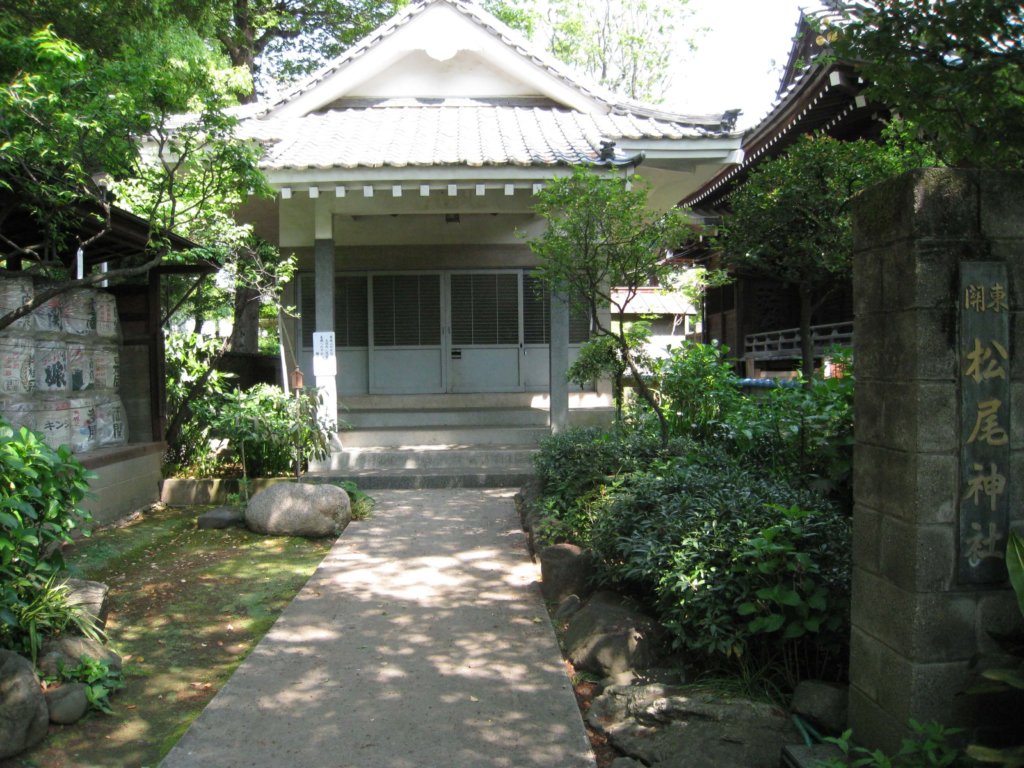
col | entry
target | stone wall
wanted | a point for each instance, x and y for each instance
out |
(916, 622)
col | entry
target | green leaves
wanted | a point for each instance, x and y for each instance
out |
(99, 679)
(1015, 566)
(40, 493)
(956, 69)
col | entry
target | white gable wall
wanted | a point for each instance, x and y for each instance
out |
(467, 74)
(468, 59)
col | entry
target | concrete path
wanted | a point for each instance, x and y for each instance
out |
(420, 642)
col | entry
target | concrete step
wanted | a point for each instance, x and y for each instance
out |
(443, 436)
(430, 466)
(369, 480)
(490, 457)
(378, 418)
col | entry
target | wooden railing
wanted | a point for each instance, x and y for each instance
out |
(785, 344)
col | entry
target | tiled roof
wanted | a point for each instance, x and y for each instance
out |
(654, 302)
(406, 133)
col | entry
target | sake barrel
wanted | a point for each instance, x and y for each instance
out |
(106, 367)
(47, 317)
(53, 420)
(17, 366)
(51, 366)
(108, 326)
(81, 366)
(15, 292)
(20, 411)
(82, 420)
(78, 315)
(111, 421)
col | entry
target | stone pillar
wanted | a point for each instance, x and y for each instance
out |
(323, 266)
(558, 347)
(918, 614)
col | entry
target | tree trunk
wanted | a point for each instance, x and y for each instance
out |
(806, 342)
(245, 331)
(645, 391)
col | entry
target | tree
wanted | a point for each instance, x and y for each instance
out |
(790, 219)
(626, 46)
(284, 40)
(70, 126)
(600, 235)
(953, 67)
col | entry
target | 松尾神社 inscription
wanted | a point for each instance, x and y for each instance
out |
(984, 360)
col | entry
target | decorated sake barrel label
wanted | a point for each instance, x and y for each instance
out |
(53, 420)
(15, 292)
(107, 323)
(111, 422)
(51, 366)
(83, 424)
(106, 367)
(17, 366)
(19, 411)
(78, 315)
(47, 318)
(81, 367)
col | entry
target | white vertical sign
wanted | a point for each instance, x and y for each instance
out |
(325, 360)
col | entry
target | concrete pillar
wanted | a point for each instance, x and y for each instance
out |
(920, 611)
(558, 385)
(323, 266)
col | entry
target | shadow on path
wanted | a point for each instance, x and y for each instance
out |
(420, 642)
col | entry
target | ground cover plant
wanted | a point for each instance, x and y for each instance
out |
(187, 606)
(736, 533)
(40, 493)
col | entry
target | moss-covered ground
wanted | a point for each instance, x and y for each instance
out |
(186, 607)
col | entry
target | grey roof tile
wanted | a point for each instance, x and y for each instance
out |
(447, 134)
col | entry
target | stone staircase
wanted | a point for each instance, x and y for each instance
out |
(445, 441)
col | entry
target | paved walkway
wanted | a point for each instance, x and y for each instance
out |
(420, 642)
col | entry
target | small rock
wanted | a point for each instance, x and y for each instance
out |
(92, 596)
(565, 570)
(299, 509)
(70, 650)
(221, 517)
(67, 704)
(23, 713)
(610, 640)
(824, 704)
(568, 607)
(626, 762)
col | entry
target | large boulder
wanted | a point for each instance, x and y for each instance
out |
(565, 570)
(610, 639)
(667, 727)
(92, 596)
(299, 509)
(24, 718)
(69, 650)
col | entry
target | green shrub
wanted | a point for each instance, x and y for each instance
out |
(40, 493)
(733, 562)
(194, 391)
(699, 388)
(577, 469)
(264, 428)
(802, 434)
(930, 745)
